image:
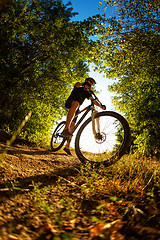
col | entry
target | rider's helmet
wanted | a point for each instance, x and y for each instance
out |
(90, 80)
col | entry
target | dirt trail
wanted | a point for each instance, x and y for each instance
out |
(21, 167)
(28, 212)
(32, 163)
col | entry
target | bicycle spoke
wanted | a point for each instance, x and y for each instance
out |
(105, 144)
(57, 140)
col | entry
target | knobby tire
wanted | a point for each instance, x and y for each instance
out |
(110, 120)
(57, 141)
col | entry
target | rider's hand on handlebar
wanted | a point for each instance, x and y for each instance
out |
(103, 107)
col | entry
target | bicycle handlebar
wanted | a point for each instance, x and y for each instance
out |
(96, 98)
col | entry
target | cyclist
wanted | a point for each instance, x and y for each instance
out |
(80, 92)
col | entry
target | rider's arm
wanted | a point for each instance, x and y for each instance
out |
(97, 103)
(78, 84)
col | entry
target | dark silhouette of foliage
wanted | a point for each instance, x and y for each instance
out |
(43, 53)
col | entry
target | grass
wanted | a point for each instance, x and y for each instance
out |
(98, 195)
(126, 176)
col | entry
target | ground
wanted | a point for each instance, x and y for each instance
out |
(24, 165)
(40, 199)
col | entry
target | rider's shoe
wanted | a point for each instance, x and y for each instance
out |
(67, 151)
(66, 133)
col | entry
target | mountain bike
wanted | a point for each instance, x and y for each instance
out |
(102, 139)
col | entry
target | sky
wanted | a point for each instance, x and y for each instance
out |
(85, 9)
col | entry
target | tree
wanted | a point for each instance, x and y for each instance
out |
(43, 53)
(131, 56)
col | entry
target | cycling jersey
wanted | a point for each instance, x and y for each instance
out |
(79, 95)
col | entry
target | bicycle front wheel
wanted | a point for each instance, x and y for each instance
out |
(57, 141)
(108, 145)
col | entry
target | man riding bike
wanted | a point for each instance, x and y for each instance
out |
(80, 92)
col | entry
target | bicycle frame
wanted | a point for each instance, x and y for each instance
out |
(94, 112)
(87, 109)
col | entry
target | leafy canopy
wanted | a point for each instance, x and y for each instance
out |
(130, 54)
(43, 53)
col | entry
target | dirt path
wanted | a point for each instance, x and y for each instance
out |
(21, 167)
(34, 163)
(43, 196)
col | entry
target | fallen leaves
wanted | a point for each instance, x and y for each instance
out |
(12, 237)
(54, 230)
(51, 229)
(113, 210)
(69, 225)
(94, 231)
(109, 229)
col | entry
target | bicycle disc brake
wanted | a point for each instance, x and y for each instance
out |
(100, 137)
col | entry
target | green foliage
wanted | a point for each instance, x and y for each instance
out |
(43, 53)
(131, 54)
(39, 197)
(128, 175)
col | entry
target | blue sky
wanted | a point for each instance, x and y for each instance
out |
(85, 9)
(88, 8)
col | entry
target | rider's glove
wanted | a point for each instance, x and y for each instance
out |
(103, 106)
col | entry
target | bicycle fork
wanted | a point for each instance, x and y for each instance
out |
(95, 123)
(100, 137)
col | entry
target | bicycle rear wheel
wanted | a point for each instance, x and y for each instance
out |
(109, 145)
(57, 141)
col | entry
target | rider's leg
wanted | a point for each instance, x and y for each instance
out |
(71, 114)
(72, 124)
(69, 139)
(67, 146)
